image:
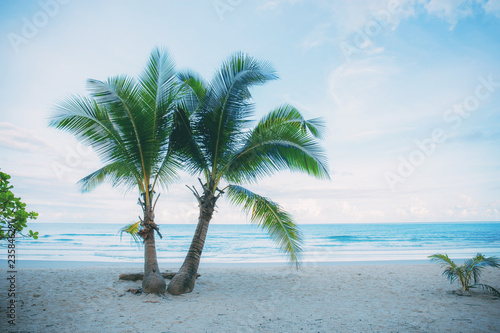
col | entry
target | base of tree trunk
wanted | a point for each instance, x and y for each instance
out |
(182, 283)
(154, 283)
(140, 276)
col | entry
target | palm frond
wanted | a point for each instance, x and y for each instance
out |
(486, 287)
(236, 75)
(159, 90)
(442, 259)
(472, 268)
(119, 89)
(487, 261)
(157, 84)
(475, 266)
(226, 106)
(167, 171)
(83, 118)
(195, 89)
(271, 217)
(121, 95)
(451, 270)
(281, 141)
(183, 142)
(133, 230)
(91, 124)
(117, 174)
(287, 114)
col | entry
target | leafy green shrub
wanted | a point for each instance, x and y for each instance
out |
(13, 215)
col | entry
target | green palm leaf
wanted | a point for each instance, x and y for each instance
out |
(158, 85)
(287, 114)
(475, 266)
(133, 230)
(451, 270)
(160, 89)
(195, 89)
(271, 217)
(487, 288)
(183, 140)
(91, 124)
(117, 174)
(226, 106)
(283, 140)
(120, 95)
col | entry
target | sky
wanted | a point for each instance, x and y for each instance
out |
(409, 91)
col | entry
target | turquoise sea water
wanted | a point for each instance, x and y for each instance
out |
(248, 244)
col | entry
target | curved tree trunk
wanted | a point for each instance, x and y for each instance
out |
(153, 281)
(184, 281)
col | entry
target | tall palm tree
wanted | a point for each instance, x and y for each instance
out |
(128, 122)
(226, 153)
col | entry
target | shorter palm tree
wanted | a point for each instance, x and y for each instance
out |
(469, 272)
(129, 123)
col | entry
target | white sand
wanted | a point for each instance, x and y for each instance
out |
(362, 298)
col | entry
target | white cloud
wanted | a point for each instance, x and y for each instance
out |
(21, 139)
(359, 24)
(452, 11)
(351, 81)
(366, 99)
(320, 35)
(449, 10)
(492, 7)
(309, 207)
(275, 4)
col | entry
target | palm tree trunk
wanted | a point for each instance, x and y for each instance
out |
(184, 281)
(153, 281)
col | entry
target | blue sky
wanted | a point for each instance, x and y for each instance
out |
(409, 89)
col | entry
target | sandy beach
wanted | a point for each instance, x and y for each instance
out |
(336, 298)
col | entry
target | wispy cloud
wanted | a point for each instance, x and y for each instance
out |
(21, 139)
(275, 4)
(320, 35)
(492, 7)
(371, 18)
(477, 135)
(450, 10)
(350, 81)
(358, 23)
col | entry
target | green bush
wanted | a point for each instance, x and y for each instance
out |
(13, 215)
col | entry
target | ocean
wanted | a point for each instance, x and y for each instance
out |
(247, 244)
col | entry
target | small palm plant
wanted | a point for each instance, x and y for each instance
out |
(469, 272)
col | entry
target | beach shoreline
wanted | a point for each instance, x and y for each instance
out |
(33, 264)
(382, 297)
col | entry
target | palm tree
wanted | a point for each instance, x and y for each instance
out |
(128, 122)
(226, 153)
(469, 272)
